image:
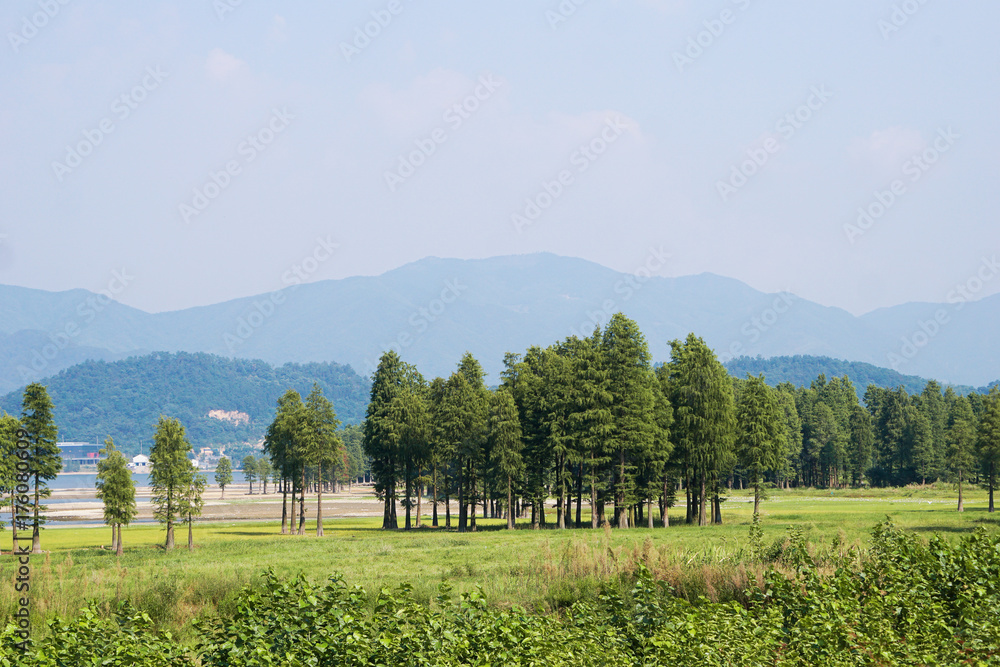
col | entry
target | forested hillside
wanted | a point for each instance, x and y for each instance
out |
(800, 370)
(125, 398)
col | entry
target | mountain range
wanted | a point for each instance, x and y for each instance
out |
(433, 310)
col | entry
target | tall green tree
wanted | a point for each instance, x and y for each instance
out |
(384, 432)
(284, 443)
(9, 426)
(960, 438)
(224, 474)
(172, 473)
(704, 416)
(43, 453)
(988, 446)
(759, 433)
(862, 442)
(116, 488)
(630, 383)
(191, 503)
(323, 444)
(249, 467)
(264, 472)
(505, 443)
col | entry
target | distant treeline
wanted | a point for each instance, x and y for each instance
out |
(801, 370)
(124, 399)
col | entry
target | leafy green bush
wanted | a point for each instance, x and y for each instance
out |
(905, 603)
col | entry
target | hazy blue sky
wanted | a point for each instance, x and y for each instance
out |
(118, 117)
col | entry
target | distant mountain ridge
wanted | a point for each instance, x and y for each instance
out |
(434, 309)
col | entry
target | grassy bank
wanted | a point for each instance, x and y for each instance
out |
(541, 570)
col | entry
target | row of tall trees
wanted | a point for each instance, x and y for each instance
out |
(305, 450)
(581, 419)
(589, 420)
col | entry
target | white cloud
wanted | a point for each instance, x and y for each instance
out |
(886, 150)
(221, 65)
(278, 32)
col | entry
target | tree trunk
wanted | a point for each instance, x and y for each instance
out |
(120, 549)
(620, 510)
(319, 504)
(756, 496)
(649, 511)
(447, 509)
(409, 493)
(702, 517)
(510, 505)
(594, 519)
(170, 534)
(284, 509)
(461, 497)
(434, 500)
(717, 510)
(579, 495)
(961, 507)
(419, 497)
(561, 500)
(114, 537)
(293, 512)
(36, 538)
(302, 503)
(190, 533)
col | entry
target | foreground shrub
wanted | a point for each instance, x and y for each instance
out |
(905, 603)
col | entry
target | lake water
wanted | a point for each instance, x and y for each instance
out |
(88, 480)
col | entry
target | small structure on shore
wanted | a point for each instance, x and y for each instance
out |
(140, 464)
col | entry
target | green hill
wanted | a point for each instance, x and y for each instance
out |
(801, 370)
(125, 398)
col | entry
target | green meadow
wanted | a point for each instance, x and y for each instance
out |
(541, 570)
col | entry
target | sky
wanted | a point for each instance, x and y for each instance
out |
(182, 154)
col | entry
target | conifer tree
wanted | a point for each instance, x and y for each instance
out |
(704, 415)
(191, 503)
(760, 433)
(988, 446)
(630, 383)
(960, 438)
(116, 488)
(285, 443)
(43, 452)
(172, 473)
(323, 445)
(224, 474)
(505, 444)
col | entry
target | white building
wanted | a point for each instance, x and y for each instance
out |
(140, 464)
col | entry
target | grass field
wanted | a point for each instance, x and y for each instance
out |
(541, 570)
